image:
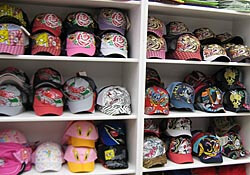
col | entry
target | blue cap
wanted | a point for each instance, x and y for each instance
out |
(181, 95)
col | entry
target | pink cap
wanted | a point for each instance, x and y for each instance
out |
(80, 43)
(156, 26)
(12, 136)
(156, 47)
(84, 155)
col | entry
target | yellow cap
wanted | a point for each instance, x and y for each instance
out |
(81, 142)
(81, 167)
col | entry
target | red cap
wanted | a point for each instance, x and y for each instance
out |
(48, 22)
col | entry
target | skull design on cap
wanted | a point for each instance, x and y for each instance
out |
(236, 98)
(230, 76)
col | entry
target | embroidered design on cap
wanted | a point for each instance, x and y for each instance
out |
(176, 127)
(212, 50)
(82, 39)
(180, 146)
(48, 96)
(48, 74)
(223, 37)
(231, 75)
(176, 28)
(50, 20)
(188, 43)
(156, 46)
(10, 96)
(239, 52)
(182, 91)
(156, 26)
(81, 19)
(156, 101)
(236, 98)
(204, 33)
(115, 17)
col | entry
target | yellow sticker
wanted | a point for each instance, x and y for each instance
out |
(109, 154)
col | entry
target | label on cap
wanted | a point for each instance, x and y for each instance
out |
(83, 73)
(2, 162)
(109, 154)
(25, 31)
(223, 140)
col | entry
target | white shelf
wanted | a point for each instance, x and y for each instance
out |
(30, 116)
(82, 3)
(99, 170)
(195, 114)
(196, 11)
(197, 164)
(205, 63)
(66, 58)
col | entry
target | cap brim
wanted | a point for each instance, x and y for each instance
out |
(48, 166)
(10, 111)
(175, 133)
(241, 59)
(218, 58)
(81, 50)
(182, 105)
(216, 159)
(234, 40)
(107, 52)
(41, 110)
(82, 106)
(185, 55)
(180, 158)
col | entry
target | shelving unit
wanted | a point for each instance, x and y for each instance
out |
(129, 73)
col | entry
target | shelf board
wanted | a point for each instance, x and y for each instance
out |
(30, 116)
(66, 58)
(196, 11)
(99, 170)
(195, 114)
(197, 164)
(81, 3)
(205, 63)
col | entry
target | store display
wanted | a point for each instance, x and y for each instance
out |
(114, 100)
(48, 156)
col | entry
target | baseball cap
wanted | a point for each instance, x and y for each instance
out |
(80, 159)
(11, 100)
(48, 100)
(156, 101)
(232, 145)
(47, 77)
(45, 43)
(113, 157)
(79, 21)
(178, 126)
(14, 15)
(214, 52)
(81, 43)
(112, 133)
(208, 98)
(184, 47)
(152, 127)
(236, 101)
(48, 156)
(13, 39)
(195, 78)
(153, 78)
(12, 136)
(156, 47)
(181, 96)
(81, 94)
(49, 22)
(154, 152)
(176, 28)
(156, 26)
(239, 53)
(114, 44)
(206, 36)
(208, 149)
(81, 133)
(229, 78)
(180, 150)
(229, 38)
(223, 125)
(232, 170)
(113, 19)
(114, 100)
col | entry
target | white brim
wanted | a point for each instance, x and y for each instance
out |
(82, 105)
(175, 133)
(221, 58)
(11, 110)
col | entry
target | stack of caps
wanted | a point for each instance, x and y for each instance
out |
(14, 26)
(14, 90)
(182, 44)
(228, 130)
(48, 156)
(15, 157)
(48, 98)
(80, 136)
(229, 80)
(178, 131)
(79, 28)
(237, 5)
(46, 31)
(156, 44)
(207, 147)
(112, 149)
(208, 97)
(114, 100)
(112, 24)
(156, 97)
(206, 3)
(80, 92)
(154, 149)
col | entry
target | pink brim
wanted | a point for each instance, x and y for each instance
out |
(180, 158)
(14, 50)
(80, 50)
(157, 32)
(50, 50)
(156, 54)
(41, 110)
(186, 55)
